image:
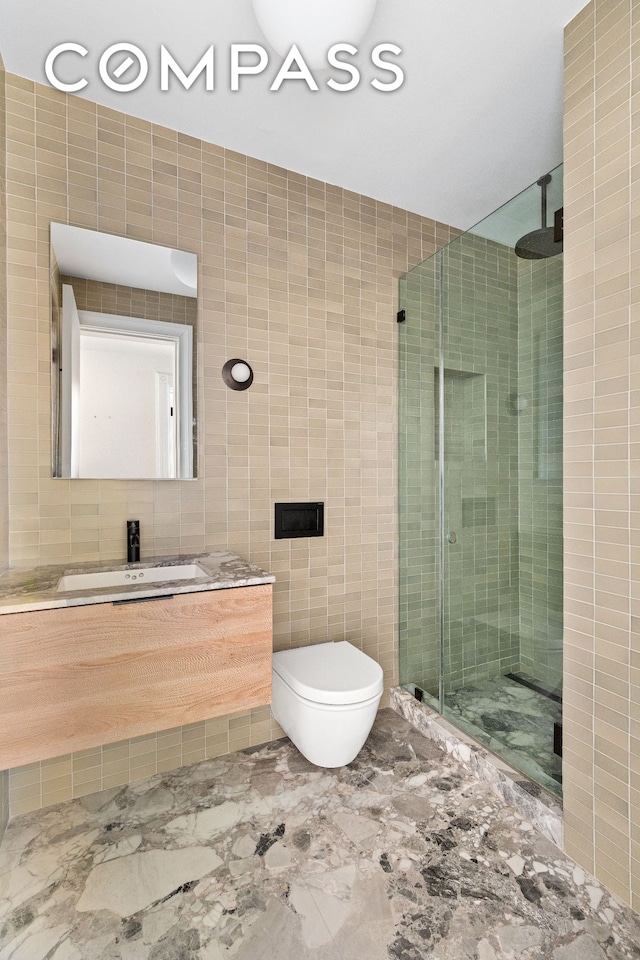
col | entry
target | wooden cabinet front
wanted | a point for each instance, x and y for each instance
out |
(78, 677)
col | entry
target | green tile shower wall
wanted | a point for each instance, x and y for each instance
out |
(502, 342)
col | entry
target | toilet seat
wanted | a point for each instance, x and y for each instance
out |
(330, 673)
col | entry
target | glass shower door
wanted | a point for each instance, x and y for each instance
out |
(480, 487)
(480, 483)
(418, 495)
(501, 546)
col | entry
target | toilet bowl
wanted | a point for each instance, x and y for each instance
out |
(325, 698)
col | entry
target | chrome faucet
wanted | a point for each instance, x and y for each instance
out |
(133, 541)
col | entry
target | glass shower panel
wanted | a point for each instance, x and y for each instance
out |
(502, 535)
(480, 405)
(480, 491)
(539, 410)
(419, 540)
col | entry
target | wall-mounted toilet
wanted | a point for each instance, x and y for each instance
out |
(325, 698)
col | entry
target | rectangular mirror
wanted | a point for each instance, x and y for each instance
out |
(123, 331)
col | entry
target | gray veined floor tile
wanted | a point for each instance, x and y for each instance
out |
(128, 884)
(402, 855)
(288, 934)
(353, 902)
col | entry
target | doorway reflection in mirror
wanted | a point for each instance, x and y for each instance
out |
(124, 357)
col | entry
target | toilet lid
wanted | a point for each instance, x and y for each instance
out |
(335, 673)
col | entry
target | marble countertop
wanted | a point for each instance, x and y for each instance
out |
(25, 589)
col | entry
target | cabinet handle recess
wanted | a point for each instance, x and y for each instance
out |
(166, 596)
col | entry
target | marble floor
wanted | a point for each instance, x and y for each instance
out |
(513, 721)
(260, 856)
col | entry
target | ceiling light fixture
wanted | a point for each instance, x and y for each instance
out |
(313, 26)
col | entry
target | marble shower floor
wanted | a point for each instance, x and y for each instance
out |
(260, 856)
(513, 721)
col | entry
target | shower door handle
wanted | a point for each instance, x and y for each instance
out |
(452, 536)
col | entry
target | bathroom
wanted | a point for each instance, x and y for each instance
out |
(282, 290)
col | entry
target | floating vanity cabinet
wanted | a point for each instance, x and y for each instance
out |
(80, 676)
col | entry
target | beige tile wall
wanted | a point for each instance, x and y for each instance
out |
(297, 276)
(132, 301)
(116, 764)
(4, 498)
(602, 451)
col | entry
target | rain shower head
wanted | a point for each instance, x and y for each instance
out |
(540, 244)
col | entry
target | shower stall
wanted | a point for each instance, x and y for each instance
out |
(480, 482)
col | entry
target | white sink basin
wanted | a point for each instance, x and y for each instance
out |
(127, 578)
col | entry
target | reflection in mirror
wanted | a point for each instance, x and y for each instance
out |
(123, 333)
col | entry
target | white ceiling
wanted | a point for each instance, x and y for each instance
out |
(478, 118)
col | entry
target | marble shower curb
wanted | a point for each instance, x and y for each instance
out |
(530, 800)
